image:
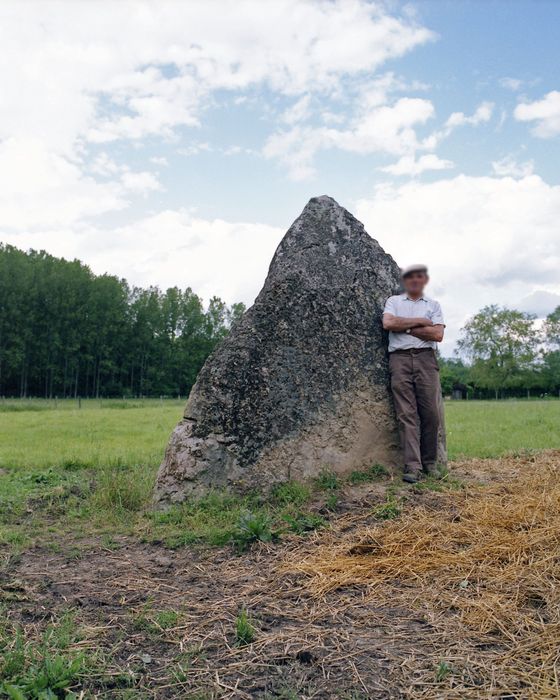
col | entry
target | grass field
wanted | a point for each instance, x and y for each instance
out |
(496, 428)
(101, 595)
(36, 435)
(91, 468)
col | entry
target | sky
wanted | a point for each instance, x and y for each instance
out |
(173, 143)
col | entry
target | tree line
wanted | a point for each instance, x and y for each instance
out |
(67, 332)
(503, 352)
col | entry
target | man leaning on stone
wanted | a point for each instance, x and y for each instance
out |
(415, 324)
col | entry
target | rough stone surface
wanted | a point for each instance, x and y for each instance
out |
(301, 383)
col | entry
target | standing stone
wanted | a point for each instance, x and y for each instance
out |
(301, 384)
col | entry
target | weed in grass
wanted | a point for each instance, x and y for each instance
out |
(332, 502)
(74, 554)
(291, 493)
(252, 527)
(49, 477)
(443, 481)
(301, 522)
(122, 489)
(48, 677)
(244, 630)
(12, 657)
(283, 692)
(142, 621)
(212, 520)
(14, 539)
(443, 671)
(180, 673)
(373, 473)
(23, 406)
(195, 653)
(108, 542)
(62, 633)
(388, 510)
(327, 480)
(166, 619)
(41, 670)
(74, 464)
(133, 694)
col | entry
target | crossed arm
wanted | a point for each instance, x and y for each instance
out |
(421, 328)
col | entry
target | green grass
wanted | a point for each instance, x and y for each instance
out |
(443, 671)
(91, 470)
(327, 480)
(388, 510)
(37, 435)
(244, 630)
(373, 473)
(494, 428)
(43, 669)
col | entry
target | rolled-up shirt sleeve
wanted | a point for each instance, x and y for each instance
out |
(390, 307)
(437, 315)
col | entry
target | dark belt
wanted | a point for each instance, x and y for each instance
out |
(411, 351)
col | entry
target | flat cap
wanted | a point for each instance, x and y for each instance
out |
(414, 268)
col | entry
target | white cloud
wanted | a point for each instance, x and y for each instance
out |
(172, 247)
(487, 240)
(509, 166)
(104, 165)
(385, 129)
(158, 62)
(41, 188)
(545, 112)
(540, 302)
(194, 148)
(159, 160)
(378, 125)
(513, 84)
(298, 112)
(77, 74)
(408, 165)
(482, 114)
(140, 182)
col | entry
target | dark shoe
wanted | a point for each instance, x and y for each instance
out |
(433, 471)
(411, 477)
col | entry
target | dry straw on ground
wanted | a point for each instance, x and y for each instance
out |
(483, 567)
(456, 599)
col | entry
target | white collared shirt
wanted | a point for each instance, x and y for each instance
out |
(401, 305)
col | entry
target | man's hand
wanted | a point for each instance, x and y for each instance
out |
(434, 333)
(399, 324)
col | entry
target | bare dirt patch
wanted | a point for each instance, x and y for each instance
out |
(165, 621)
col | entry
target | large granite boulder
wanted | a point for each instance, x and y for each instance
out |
(301, 383)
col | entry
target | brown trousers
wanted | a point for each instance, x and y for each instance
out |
(416, 395)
